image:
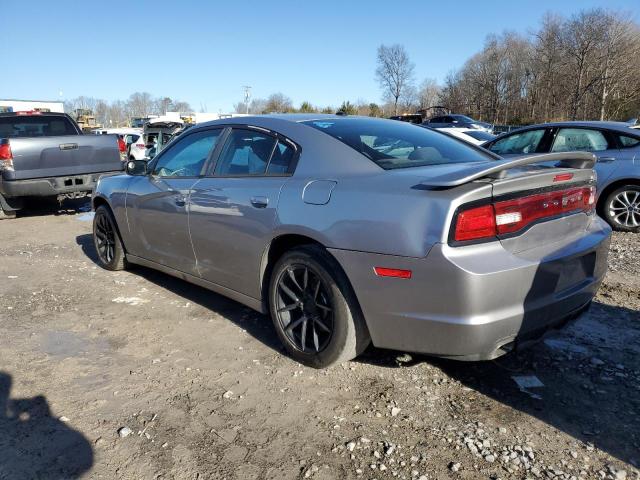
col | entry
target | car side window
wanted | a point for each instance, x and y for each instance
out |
(187, 156)
(246, 152)
(579, 139)
(518, 143)
(436, 120)
(281, 162)
(627, 142)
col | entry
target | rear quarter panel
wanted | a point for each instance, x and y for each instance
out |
(378, 213)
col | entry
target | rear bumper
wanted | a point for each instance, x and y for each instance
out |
(52, 186)
(477, 302)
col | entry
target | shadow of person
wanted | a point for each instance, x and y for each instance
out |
(35, 445)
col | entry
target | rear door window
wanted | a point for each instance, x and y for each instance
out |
(282, 160)
(20, 126)
(579, 139)
(518, 143)
(246, 152)
(627, 142)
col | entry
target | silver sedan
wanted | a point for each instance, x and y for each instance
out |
(350, 231)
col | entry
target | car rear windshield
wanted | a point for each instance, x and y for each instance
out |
(35, 126)
(392, 144)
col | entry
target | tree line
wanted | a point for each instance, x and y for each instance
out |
(119, 112)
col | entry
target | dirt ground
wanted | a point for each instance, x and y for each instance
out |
(138, 375)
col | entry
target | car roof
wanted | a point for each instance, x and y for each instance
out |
(619, 126)
(262, 120)
(21, 113)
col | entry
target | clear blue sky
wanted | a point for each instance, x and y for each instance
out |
(203, 52)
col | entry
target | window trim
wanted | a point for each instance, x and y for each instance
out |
(215, 158)
(154, 162)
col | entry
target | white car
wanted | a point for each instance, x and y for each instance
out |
(135, 144)
(474, 136)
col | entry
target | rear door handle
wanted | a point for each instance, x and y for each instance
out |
(259, 202)
(181, 201)
(68, 146)
(606, 159)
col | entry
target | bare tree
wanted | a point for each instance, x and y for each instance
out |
(428, 93)
(140, 104)
(394, 72)
(279, 103)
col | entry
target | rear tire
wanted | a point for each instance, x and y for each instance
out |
(7, 214)
(621, 209)
(314, 310)
(106, 240)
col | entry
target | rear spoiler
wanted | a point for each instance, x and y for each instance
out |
(497, 169)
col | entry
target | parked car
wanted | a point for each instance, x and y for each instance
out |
(408, 117)
(470, 135)
(618, 150)
(47, 155)
(350, 230)
(158, 132)
(136, 146)
(458, 121)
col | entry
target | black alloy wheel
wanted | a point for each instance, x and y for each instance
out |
(304, 308)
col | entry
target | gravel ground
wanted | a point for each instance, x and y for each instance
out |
(138, 375)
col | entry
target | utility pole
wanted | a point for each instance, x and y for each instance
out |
(247, 96)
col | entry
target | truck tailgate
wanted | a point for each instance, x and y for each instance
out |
(68, 155)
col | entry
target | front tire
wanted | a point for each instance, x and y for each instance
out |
(106, 240)
(314, 310)
(622, 209)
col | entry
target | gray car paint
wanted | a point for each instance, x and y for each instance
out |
(463, 301)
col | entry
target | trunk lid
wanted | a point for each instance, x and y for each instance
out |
(530, 204)
(544, 185)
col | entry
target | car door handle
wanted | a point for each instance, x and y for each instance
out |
(68, 146)
(606, 159)
(181, 201)
(259, 202)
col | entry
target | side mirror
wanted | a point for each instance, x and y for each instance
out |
(136, 167)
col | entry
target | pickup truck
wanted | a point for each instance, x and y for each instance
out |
(47, 155)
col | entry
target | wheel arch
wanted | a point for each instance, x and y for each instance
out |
(602, 197)
(99, 201)
(281, 244)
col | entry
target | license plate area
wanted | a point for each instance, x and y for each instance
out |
(575, 271)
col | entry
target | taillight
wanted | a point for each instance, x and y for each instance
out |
(29, 112)
(121, 145)
(475, 223)
(6, 157)
(511, 216)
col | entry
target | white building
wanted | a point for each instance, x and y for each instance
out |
(13, 105)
